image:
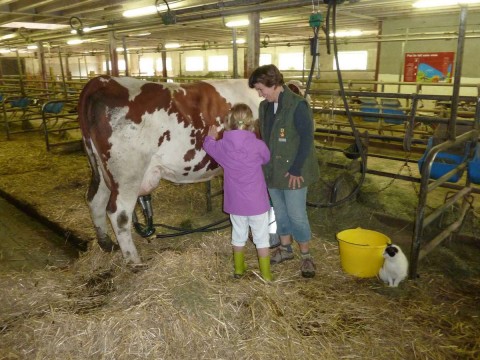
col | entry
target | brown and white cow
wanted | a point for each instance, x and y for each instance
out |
(137, 132)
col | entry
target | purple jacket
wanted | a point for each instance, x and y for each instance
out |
(241, 155)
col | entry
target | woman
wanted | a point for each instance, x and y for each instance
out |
(286, 126)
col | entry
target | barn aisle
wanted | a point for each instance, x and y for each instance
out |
(26, 244)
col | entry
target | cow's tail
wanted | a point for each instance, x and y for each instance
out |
(86, 115)
(86, 120)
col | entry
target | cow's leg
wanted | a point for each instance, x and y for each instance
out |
(98, 195)
(121, 220)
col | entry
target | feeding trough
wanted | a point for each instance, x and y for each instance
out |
(443, 163)
(473, 168)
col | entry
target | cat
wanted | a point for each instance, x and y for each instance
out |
(395, 266)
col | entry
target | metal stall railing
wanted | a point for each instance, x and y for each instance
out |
(59, 122)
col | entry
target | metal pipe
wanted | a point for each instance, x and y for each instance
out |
(235, 53)
(125, 56)
(458, 73)
(62, 72)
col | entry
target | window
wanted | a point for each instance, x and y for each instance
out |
(160, 64)
(121, 65)
(218, 63)
(351, 60)
(290, 61)
(146, 66)
(194, 63)
(265, 59)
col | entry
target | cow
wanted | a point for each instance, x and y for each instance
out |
(137, 132)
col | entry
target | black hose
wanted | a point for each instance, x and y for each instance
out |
(182, 231)
(314, 60)
(333, 7)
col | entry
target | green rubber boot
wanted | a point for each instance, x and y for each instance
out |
(264, 264)
(240, 266)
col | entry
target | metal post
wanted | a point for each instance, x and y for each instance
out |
(235, 53)
(112, 49)
(20, 73)
(125, 56)
(63, 73)
(458, 73)
(253, 43)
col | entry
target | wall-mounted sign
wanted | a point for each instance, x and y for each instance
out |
(429, 67)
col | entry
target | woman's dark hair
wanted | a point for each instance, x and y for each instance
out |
(268, 75)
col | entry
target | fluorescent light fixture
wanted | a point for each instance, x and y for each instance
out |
(32, 47)
(439, 3)
(39, 26)
(8, 36)
(88, 29)
(172, 46)
(4, 51)
(238, 23)
(347, 33)
(119, 49)
(239, 41)
(74, 41)
(147, 10)
(93, 28)
(140, 34)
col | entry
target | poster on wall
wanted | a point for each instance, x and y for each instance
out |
(433, 67)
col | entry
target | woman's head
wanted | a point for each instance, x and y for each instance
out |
(268, 81)
(268, 75)
(240, 118)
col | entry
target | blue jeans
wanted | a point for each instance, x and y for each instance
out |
(290, 208)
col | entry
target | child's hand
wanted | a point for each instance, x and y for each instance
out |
(212, 131)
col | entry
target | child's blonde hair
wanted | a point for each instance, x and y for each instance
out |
(240, 118)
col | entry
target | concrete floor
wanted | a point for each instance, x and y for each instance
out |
(26, 244)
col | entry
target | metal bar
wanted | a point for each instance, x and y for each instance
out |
(445, 233)
(409, 129)
(458, 72)
(208, 194)
(439, 211)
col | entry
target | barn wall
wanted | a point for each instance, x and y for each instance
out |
(392, 53)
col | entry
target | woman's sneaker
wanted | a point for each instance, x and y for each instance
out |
(279, 255)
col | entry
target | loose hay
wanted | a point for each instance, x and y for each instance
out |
(186, 304)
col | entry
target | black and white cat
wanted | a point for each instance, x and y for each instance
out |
(395, 266)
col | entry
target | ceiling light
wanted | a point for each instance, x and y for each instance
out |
(239, 41)
(140, 34)
(347, 33)
(4, 51)
(147, 10)
(8, 36)
(439, 3)
(36, 25)
(238, 23)
(74, 41)
(93, 28)
(32, 47)
(172, 46)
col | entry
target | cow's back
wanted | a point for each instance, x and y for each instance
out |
(159, 127)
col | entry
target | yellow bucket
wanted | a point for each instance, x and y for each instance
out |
(361, 251)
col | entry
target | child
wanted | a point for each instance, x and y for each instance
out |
(241, 155)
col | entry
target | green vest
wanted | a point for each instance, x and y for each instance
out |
(283, 143)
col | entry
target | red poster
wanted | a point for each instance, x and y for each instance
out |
(429, 67)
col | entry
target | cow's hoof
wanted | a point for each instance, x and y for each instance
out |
(108, 245)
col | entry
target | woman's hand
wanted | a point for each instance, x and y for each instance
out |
(212, 131)
(294, 182)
